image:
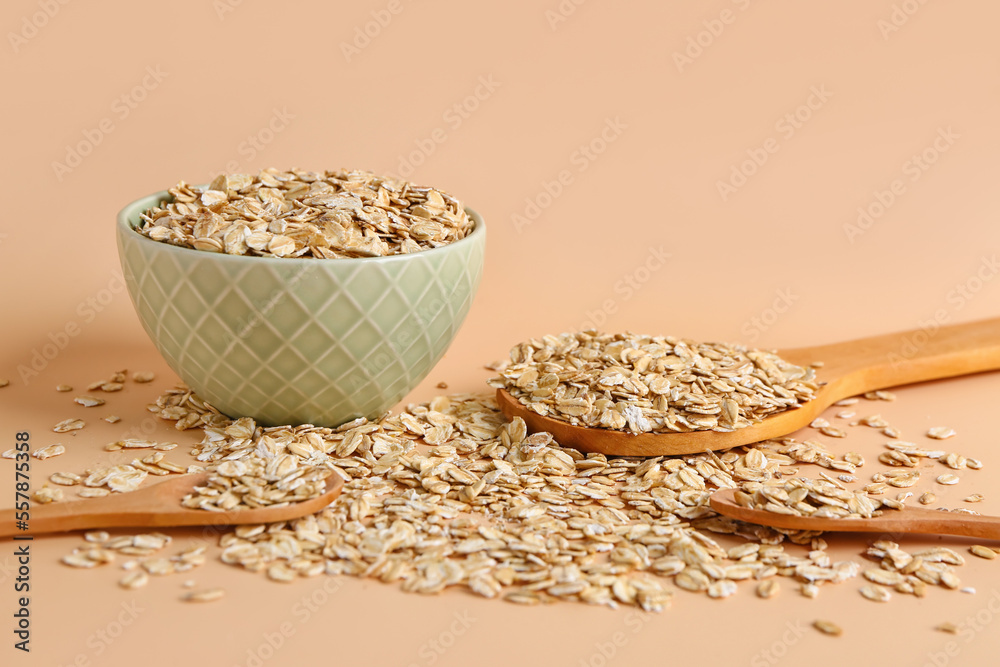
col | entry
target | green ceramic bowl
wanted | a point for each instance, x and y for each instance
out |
(299, 341)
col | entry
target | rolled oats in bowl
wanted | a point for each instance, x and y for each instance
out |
(296, 213)
(226, 282)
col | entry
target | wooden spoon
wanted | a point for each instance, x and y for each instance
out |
(850, 368)
(906, 520)
(156, 505)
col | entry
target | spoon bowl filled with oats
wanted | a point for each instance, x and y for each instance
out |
(300, 297)
(631, 395)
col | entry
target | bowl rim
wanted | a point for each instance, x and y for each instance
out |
(124, 225)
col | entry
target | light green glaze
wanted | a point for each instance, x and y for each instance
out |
(299, 341)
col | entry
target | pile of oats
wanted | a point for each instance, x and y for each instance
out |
(328, 215)
(643, 384)
(817, 498)
(253, 483)
(449, 494)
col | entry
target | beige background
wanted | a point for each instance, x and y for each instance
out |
(155, 92)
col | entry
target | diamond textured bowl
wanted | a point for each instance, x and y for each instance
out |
(299, 341)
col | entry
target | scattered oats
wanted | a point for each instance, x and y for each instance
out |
(190, 583)
(281, 572)
(208, 595)
(974, 464)
(112, 386)
(158, 566)
(940, 432)
(983, 552)
(873, 421)
(89, 401)
(947, 479)
(950, 628)
(9, 453)
(135, 578)
(846, 414)
(143, 376)
(854, 458)
(77, 559)
(135, 443)
(880, 396)
(953, 461)
(974, 498)
(875, 593)
(968, 589)
(48, 452)
(833, 432)
(442, 385)
(64, 387)
(950, 580)
(846, 401)
(96, 536)
(448, 493)
(721, 589)
(47, 494)
(768, 588)
(819, 422)
(4, 382)
(96, 492)
(809, 590)
(828, 627)
(68, 425)
(65, 478)
(112, 419)
(927, 498)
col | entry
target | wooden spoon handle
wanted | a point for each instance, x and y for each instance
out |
(932, 522)
(931, 352)
(109, 511)
(890, 522)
